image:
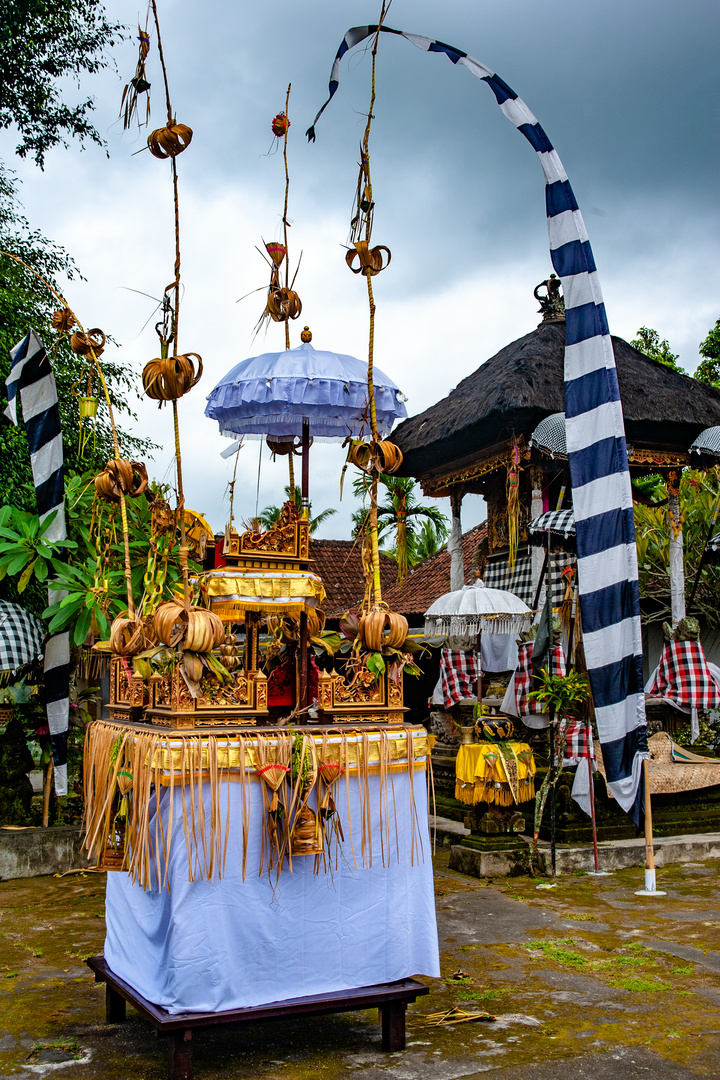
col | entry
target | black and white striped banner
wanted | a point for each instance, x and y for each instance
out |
(31, 376)
(602, 498)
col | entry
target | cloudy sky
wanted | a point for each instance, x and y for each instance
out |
(627, 92)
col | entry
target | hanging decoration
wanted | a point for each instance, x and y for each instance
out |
(168, 378)
(513, 506)
(597, 451)
(282, 303)
(137, 85)
(290, 768)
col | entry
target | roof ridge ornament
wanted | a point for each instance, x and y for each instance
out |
(552, 305)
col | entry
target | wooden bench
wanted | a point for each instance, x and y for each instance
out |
(391, 999)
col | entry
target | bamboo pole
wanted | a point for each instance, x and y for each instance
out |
(285, 235)
(650, 884)
(47, 788)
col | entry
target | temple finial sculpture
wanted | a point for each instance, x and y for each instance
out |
(552, 305)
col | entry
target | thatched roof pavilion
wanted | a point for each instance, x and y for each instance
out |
(508, 395)
(476, 440)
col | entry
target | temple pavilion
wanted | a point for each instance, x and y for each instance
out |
(478, 440)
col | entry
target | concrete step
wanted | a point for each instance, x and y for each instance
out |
(612, 855)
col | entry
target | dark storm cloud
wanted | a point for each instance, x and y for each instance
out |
(626, 92)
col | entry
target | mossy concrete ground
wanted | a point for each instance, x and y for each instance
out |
(587, 981)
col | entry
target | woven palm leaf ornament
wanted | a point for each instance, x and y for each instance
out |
(273, 776)
(283, 303)
(137, 85)
(597, 449)
(306, 834)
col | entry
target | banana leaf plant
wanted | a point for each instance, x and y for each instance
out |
(25, 550)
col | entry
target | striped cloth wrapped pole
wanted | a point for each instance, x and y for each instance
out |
(597, 453)
(31, 375)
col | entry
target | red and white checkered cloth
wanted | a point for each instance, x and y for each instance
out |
(684, 677)
(578, 742)
(523, 678)
(458, 675)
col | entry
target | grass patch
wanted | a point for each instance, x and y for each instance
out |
(479, 995)
(557, 950)
(682, 971)
(583, 918)
(11, 975)
(69, 1046)
(638, 985)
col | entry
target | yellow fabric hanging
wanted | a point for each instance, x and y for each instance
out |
(500, 773)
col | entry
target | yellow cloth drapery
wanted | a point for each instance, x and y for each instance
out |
(501, 773)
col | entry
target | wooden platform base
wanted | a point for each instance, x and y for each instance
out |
(391, 998)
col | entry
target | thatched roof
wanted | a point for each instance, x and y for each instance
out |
(510, 393)
(431, 578)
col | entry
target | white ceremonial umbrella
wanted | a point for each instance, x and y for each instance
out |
(469, 611)
(473, 609)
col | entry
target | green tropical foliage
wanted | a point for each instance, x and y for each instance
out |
(25, 302)
(25, 550)
(648, 342)
(93, 576)
(708, 370)
(42, 46)
(271, 514)
(414, 529)
(563, 693)
(699, 501)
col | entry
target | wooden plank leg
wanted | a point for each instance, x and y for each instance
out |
(115, 1006)
(393, 1025)
(180, 1055)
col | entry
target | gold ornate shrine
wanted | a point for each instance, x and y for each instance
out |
(366, 699)
(284, 546)
(266, 575)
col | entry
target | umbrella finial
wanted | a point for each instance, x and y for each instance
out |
(306, 335)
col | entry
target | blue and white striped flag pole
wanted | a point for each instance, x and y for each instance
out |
(31, 376)
(602, 497)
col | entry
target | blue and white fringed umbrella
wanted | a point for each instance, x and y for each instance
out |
(272, 393)
(602, 499)
(32, 376)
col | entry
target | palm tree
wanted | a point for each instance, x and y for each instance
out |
(271, 514)
(401, 512)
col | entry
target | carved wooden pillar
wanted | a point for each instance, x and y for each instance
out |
(677, 555)
(457, 568)
(536, 509)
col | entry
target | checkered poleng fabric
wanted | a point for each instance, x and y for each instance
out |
(458, 675)
(520, 581)
(684, 677)
(525, 705)
(578, 742)
(21, 637)
(555, 521)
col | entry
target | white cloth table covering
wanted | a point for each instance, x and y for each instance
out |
(229, 943)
